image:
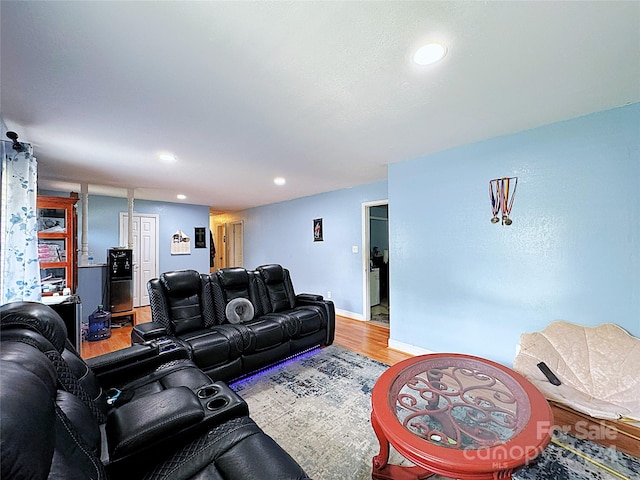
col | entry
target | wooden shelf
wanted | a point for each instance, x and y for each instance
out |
(59, 215)
(128, 313)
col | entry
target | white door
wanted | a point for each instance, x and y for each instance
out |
(147, 261)
(145, 252)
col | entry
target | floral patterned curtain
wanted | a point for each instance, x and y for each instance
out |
(20, 277)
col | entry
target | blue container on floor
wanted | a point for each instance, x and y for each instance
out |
(99, 325)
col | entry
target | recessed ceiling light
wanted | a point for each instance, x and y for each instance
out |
(429, 54)
(279, 181)
(167, 157)
(181, 196)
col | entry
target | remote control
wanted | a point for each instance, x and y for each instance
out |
(548, 373)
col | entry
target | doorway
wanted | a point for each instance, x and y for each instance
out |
(235, 256)
(228, 240)
(220, 239)
(375, 261)
(145, 252)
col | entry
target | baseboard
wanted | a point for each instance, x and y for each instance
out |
(394, 344)
(348, 314)
(407, 348)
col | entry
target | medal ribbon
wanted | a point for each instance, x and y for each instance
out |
(508, 202)
(495, 197)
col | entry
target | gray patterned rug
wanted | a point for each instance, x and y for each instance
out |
(317, 408)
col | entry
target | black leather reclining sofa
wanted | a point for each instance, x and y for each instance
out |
(197, 311)
(64, 418)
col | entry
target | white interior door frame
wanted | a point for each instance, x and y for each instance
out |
(366, 249)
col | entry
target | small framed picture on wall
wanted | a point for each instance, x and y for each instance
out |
(201, 237)
(317, 230)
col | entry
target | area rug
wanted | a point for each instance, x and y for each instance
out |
(317, 408)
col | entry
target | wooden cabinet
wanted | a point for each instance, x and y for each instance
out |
(57, 243)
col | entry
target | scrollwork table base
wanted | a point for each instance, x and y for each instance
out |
(458, 416)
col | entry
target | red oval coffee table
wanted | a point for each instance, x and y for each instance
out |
(458, 416)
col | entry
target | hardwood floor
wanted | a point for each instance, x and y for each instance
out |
(367, 339)
(120, 337)
(362, 337)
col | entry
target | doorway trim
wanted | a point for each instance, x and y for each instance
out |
(366, 248)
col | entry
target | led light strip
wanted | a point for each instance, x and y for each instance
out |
(274, 365)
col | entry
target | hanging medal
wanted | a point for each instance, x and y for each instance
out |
(494, 194)
(502, 192)
(508, 198)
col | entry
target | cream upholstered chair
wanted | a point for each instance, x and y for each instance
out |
(598, 367)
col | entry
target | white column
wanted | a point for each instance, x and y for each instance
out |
(84, 238)
(130, 226)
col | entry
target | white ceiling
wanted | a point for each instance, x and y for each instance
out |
(322, 93)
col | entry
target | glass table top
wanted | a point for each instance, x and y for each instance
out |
(459, 403)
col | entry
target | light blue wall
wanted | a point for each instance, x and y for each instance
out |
(283, 233)
(103, 224)
(462, 284)
(103, 228)
(178, 216)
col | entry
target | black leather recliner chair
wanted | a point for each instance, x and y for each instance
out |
(49, 431)
(312, 317)
(266, 339)
(138, 370)
(181, 309)
(146, 378)
(193, 309)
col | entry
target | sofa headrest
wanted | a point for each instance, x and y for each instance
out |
(181, 283)
(273, 273)
(37, 317)
(234, 277)
(27, 423)
(24, 354)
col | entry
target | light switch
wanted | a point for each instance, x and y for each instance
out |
(354, 249)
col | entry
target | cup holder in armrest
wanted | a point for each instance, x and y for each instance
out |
(166, 345)
(208, 391)
(217, 403)
(221, 403)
